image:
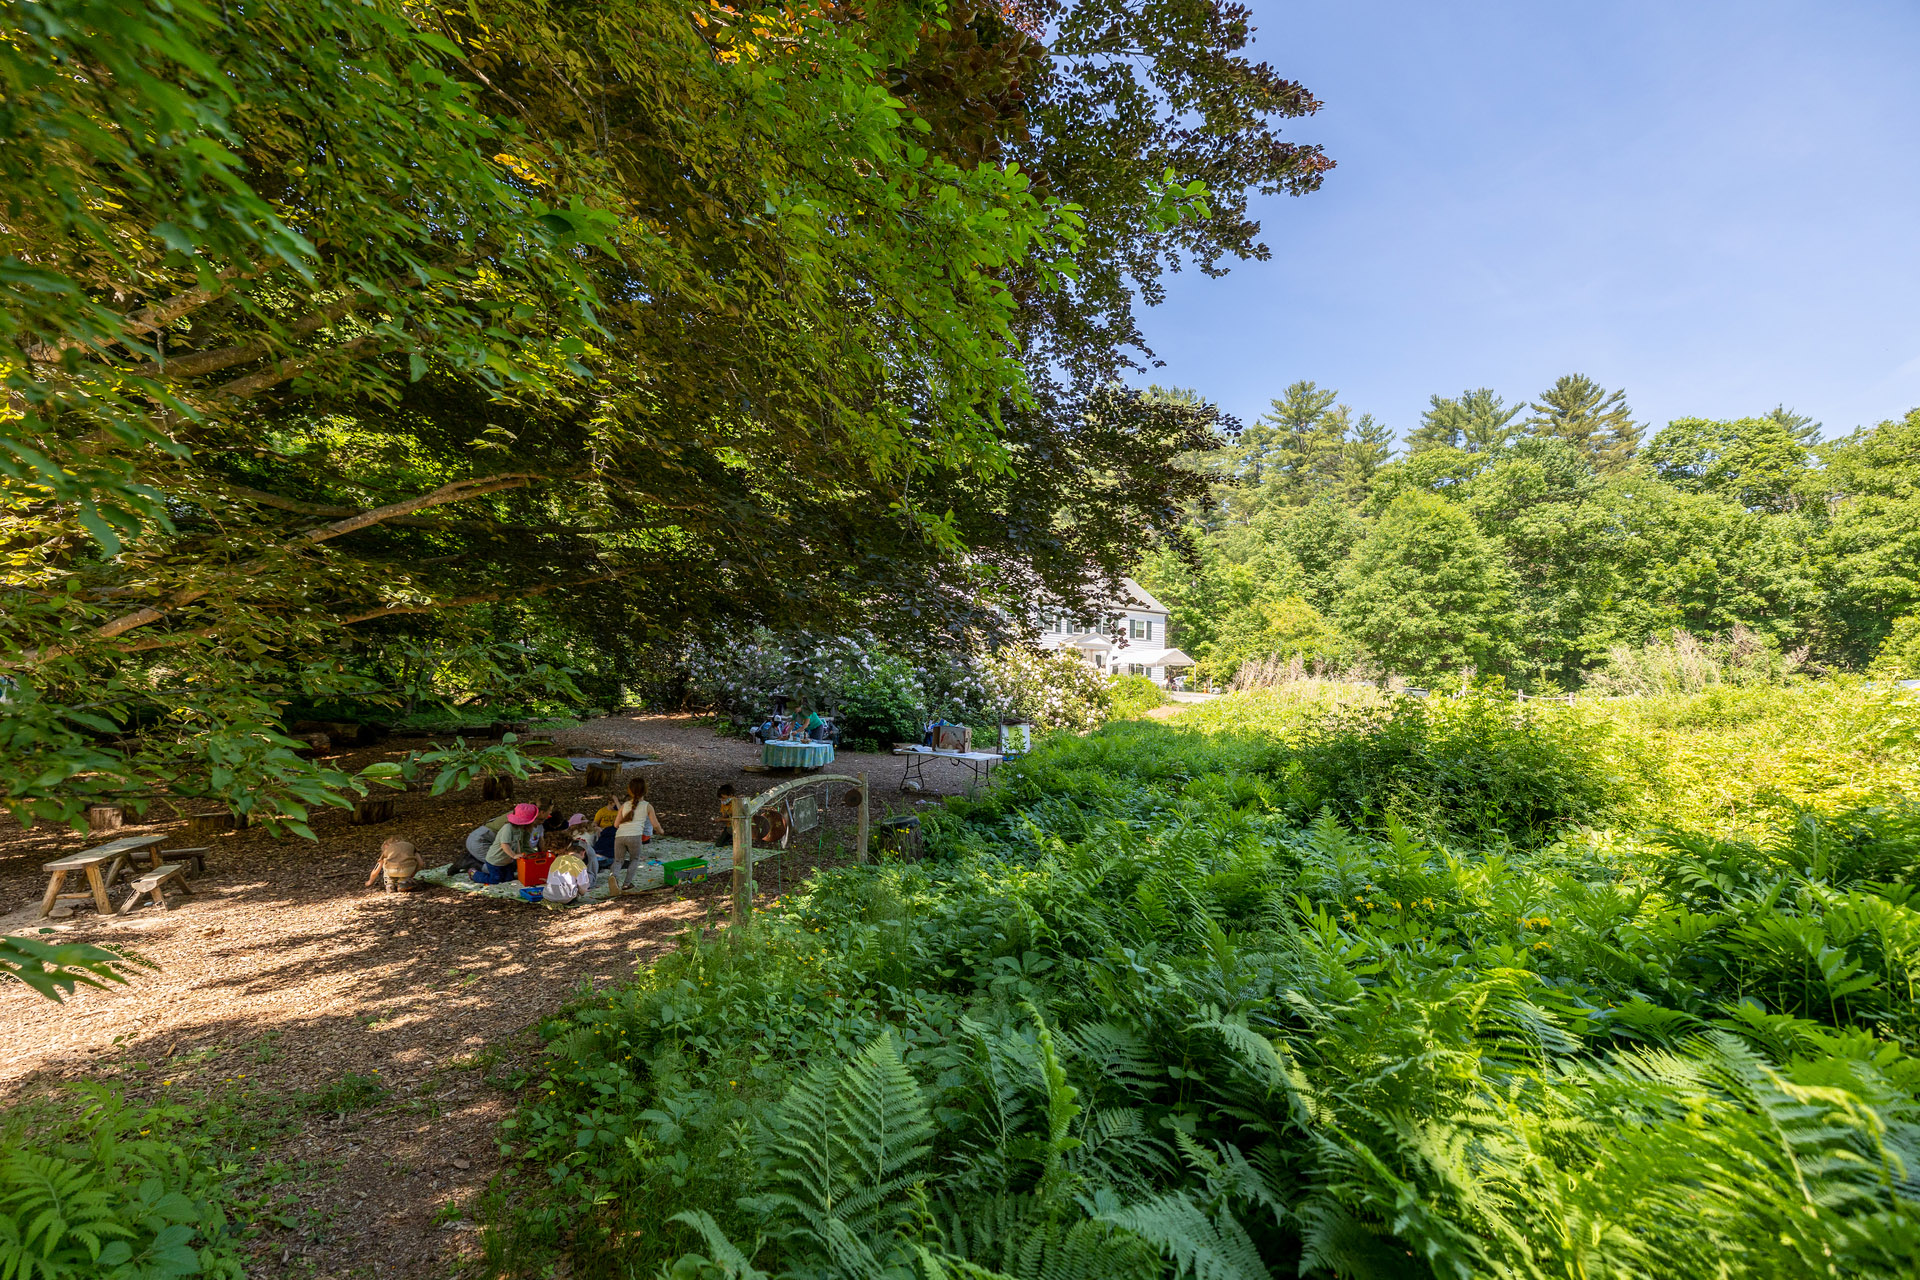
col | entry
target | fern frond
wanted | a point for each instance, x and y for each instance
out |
(733, 1263)
(1216, 1248)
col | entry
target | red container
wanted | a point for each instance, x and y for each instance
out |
(534, 870)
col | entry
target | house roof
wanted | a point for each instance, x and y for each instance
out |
(1138, 597)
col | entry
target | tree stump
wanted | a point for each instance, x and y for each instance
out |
(599, 774)
(201, 825)
(497, 787)
(105, 817)
(368, 812)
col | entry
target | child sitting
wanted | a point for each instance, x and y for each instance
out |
(398, 866)
(605, 822)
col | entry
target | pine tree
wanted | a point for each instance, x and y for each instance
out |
(1367, 447)
(1307, 438)
(1478, 422)
(1798, 425)
(1590, 418)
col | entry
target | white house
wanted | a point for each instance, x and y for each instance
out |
(1128, 639)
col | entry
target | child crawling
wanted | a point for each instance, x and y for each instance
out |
(398, 866)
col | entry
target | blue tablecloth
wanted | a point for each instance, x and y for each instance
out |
(796, 755)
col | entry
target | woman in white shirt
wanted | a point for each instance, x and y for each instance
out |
(637, 824)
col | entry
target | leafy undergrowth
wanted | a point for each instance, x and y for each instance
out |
(1134, 696)
(1231, 1004)
(105, 1191)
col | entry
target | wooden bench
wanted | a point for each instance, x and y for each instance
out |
(103, 866)
(154, 884)
(198, 857)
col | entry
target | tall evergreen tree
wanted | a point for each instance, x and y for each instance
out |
(1368, 445)
(1477, 422)
(1798, 425)
(1587, 416)
(1308, 441)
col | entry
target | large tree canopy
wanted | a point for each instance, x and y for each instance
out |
(336, 319)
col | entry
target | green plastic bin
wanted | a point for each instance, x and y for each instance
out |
(670, 871)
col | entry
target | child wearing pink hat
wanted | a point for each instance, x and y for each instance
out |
(516, 838)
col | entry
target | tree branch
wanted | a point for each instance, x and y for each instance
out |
(458, 491)
(280, 370)
(199, 363)
(491, 596)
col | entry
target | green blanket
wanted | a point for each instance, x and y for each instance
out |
(647, 877)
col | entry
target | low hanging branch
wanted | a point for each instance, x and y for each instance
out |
(458, 491)
(488, 598)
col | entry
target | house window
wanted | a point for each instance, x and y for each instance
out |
(1136, 630)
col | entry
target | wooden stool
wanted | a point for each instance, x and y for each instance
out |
(154, 884)
(198, 857)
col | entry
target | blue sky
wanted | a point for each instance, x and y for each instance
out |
(1713, 205)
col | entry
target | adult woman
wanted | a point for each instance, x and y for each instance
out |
(637, 824)
(516, 839)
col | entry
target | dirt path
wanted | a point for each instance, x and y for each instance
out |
(282, 981)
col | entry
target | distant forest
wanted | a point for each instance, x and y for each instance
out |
(1542, 541)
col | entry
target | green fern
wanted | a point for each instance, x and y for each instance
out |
(57, 1218)
(1205, 1247)
(845, 1143)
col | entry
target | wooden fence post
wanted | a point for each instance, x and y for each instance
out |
(866, 798)
(742, 861)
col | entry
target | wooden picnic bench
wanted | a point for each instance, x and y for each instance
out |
(154, 884)
(103, 865)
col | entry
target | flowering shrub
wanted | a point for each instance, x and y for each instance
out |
(886, 696)
(1053, 688)
(877, 693)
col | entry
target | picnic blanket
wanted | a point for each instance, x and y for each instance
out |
(719, 860)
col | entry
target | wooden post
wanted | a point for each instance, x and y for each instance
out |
(860, 845)
(742, 861)
(105, 817)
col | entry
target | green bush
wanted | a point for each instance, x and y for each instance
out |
(1134, 696)
(883, 708)
(113, 1194)
(1899, 654)
(1479, 767)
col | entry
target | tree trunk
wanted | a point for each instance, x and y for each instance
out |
(105, 817)
(496, 787)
